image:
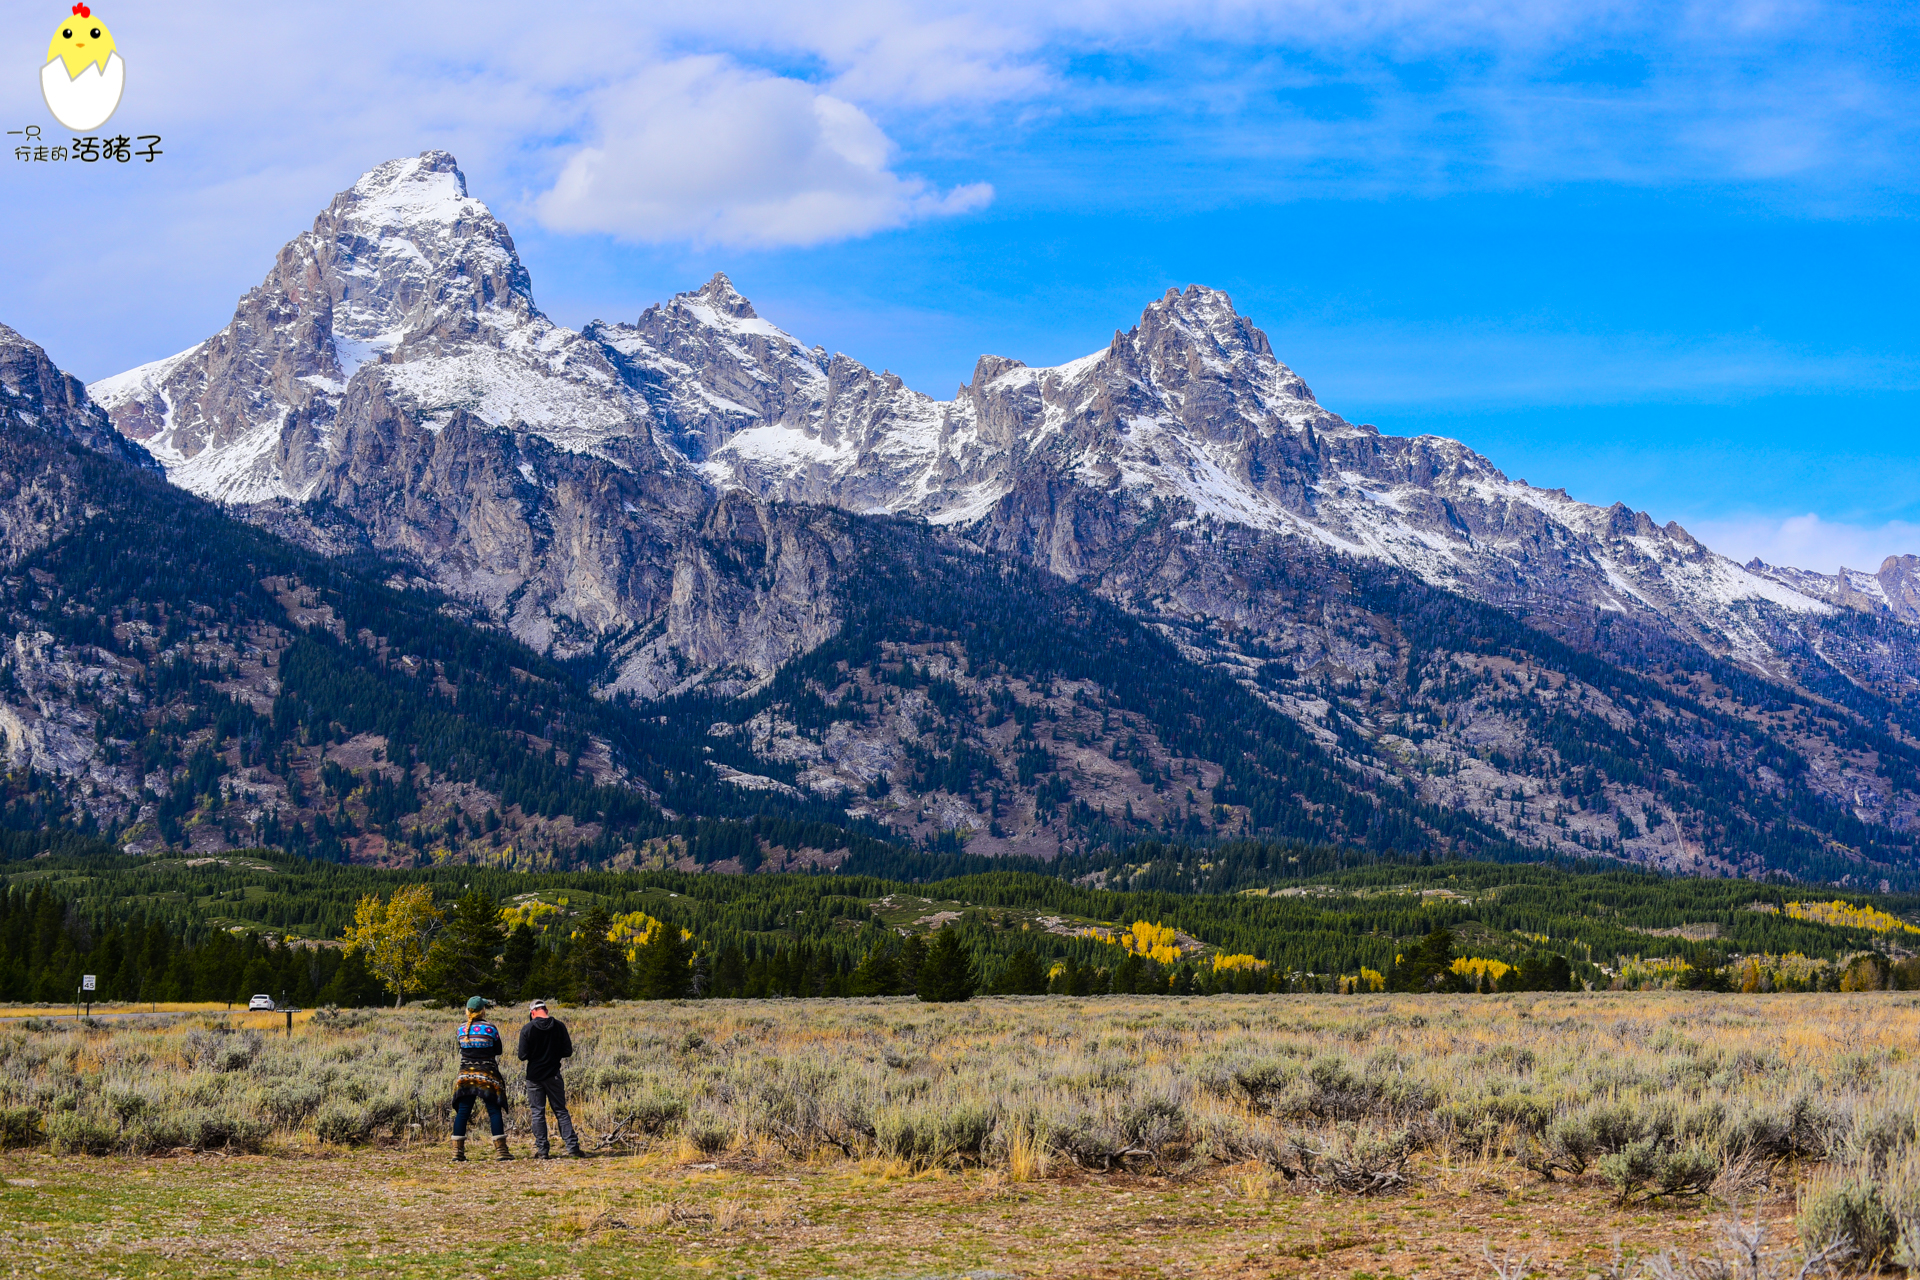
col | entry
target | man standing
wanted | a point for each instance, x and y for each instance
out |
(543, 1043)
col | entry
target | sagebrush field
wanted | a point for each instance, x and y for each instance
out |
(1610, 1133)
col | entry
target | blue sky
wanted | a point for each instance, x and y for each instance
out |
(1660, 253)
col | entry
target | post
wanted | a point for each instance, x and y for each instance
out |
(289, 1023)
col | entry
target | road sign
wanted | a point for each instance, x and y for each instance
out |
(86, 982)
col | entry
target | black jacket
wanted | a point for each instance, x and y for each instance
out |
(543, 1043)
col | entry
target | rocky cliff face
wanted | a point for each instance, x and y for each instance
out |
(408, 293)
(393, 365)
(645, 498)
(49, 432)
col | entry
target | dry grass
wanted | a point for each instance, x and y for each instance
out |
(1636, 1113)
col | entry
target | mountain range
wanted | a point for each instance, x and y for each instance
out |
(1156, 591)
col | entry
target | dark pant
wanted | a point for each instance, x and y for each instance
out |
(464, 1108)
(542, 1094)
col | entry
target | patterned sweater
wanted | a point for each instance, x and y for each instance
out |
(480, 1048)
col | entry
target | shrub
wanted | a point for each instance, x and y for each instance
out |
(709, 1133)
(1264, 1082)
(222, 1049)
(1357, 1160)
(1801, 1130)
(224, 1131)
(1631, 1167)
(154, 1133)
(1688, 1170)
(342, 1125)
(649, 1113)
(75, 1134)
(20, 1127)
(929, 1134)
(1849, 1212)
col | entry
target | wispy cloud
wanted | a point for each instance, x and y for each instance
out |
(1808, 542)
(1487, 366)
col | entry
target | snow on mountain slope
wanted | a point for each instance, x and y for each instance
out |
(1189, 407)
(407, 301)
(405, 281)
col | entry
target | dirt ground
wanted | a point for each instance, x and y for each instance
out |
(411, 1212)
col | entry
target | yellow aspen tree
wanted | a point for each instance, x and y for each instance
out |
(394, 937)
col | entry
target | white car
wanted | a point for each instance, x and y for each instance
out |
(260, 1002)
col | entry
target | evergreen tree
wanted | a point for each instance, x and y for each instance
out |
(946, 976)
(352, 986)
(550, 977)
(1023, 976)
(913, 954)
(517, 959)
(599, 970)
(464, 960)
(878, 975)
(664, 967)
(1428, 967)
(730, 975)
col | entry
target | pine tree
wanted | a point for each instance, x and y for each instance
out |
(1023, 976)
(352, 985)
(1428, 967)
(913, 954)
(464, 960)
(599, 970)
(878, 975)
(663, 968)
(946, 977)
(517, 959)
(729, 974)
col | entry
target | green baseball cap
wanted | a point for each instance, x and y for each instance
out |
(478, 1003)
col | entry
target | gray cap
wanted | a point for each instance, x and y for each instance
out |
(535, 1004)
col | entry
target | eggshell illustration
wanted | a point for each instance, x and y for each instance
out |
(86, 101)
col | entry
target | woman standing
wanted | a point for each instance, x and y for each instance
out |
(480, 1078)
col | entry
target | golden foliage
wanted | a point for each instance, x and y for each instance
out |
(533, 912)
(1228, 964)
(1483, 970)
(1157, 942)
(1845, 915)
(393, 936)
(1372, 979)
(634, 930)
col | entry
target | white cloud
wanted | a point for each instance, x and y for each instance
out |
(702, 150)
(1808, 542)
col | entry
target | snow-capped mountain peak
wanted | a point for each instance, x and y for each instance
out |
(407, 295)
(1189, 407)
(407, 302)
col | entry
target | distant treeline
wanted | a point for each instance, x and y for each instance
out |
(65, 909)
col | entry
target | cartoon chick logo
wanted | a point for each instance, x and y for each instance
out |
(84, 73)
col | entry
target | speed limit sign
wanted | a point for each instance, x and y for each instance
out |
(86, 982)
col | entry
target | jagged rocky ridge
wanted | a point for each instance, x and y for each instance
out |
(183, 679)
(392, 387)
